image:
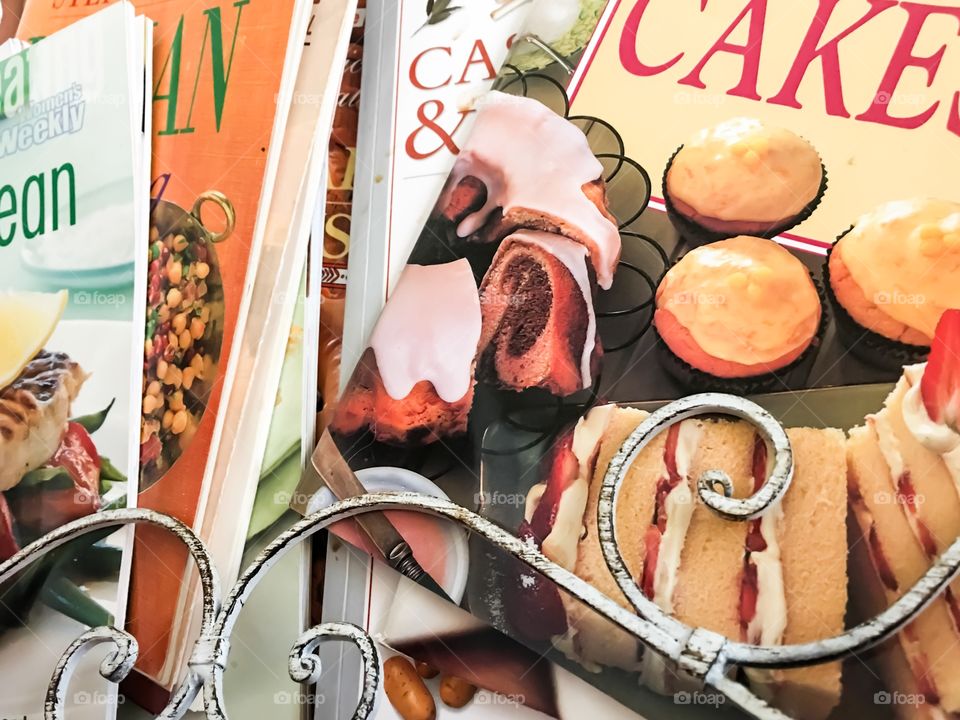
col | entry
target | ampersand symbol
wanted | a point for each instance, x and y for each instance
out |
(430, 123)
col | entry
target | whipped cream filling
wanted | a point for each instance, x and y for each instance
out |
(679, 507)
(890, 449)
(574, 257)
(770, 620)
(561, 544)
(937, 437)
(679, 504)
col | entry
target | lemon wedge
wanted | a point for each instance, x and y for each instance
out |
(27, 320)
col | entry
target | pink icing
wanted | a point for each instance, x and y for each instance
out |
(574, 256)
(529, 157)
(429, 330)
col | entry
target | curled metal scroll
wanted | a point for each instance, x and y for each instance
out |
(702, 655)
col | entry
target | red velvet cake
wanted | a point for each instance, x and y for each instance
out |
(539, 326)
(414, 383)
(524, 166)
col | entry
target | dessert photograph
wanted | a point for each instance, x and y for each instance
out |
(552, 302)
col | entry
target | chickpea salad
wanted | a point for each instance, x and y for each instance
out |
(179, 362)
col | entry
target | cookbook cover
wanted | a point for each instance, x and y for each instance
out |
(222, 85)
(73, 222)
(275, 614)
(334, 219)
(430, 62)
(273, 297)
(592, 256)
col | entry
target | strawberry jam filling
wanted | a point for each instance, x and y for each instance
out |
(880, 560)
(920, 666)
(907, 495)
(658, 525)
(749, 584)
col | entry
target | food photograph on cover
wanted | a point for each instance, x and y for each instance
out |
(419, 359)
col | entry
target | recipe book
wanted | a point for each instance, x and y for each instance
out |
(525, 338)
(242, 440)
(425, 71)
(437, 60)
(75, 149)
(333, 218)
(222, 85)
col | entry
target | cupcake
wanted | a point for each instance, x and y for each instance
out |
(891, 276)
(740, 315)
(742, 178)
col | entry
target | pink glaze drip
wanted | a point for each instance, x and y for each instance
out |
(529, 157)
(429, 330)
(424, 535)
(574, 257)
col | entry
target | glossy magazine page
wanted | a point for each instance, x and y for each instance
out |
(222, 85)
(423, 74)
(73, 201)
(595, 255)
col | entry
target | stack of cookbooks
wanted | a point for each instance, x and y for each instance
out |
(243, 95)
(75, 153)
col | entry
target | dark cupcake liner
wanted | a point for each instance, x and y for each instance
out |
(865, 344)
(790, 377)
(696, 234)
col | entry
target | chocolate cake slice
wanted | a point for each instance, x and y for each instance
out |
(539, 327)
(524, 166)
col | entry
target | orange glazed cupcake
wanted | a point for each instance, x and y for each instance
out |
(738, 315)
(892, 275)
(742, 178)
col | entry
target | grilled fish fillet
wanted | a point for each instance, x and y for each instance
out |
(33, 413)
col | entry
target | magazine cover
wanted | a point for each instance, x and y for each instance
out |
(222, 85)
(73, 221)
(702, 212)
(241, 442)
(429, 63)
(335, 213)
(275, 614)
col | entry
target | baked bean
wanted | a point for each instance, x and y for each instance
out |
(150, 403)
(179, 423)
(179, 322)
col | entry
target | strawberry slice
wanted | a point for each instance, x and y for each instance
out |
(562, 471)
(940, 386)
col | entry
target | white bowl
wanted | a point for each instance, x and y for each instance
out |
(393, 479)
